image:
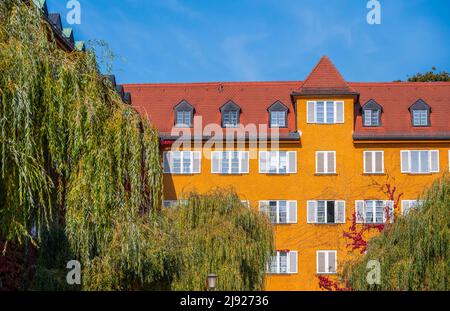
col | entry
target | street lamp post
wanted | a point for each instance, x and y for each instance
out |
(212, 281)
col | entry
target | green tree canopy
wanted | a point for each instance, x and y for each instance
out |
(430, 76)
(414, 252)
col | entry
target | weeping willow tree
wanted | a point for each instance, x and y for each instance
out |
(83, 170)
(414, 252)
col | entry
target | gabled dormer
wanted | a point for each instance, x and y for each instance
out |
(184, 114)
(420, 114)
(371, 112)
(278, 114)
(230, 114)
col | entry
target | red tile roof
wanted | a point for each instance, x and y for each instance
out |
(156, 101)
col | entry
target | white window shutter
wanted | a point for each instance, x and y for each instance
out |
(293, 262)
(388, 211)
(244, 158)
(405, 163)
(368, 162)
(292, 212)
(263, 162)
(292, 161)
(310, 112)
(167, 161)
(340, 212)
(434, 161)
(320, 262)
(339, 112)
(359, 211)
(311, 211)
(215, 162)
(196, 162)
(331, 162)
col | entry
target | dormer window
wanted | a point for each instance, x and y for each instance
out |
(184, 113)
(278, 114)
(230, 114)
(372, 114)
(420, 114)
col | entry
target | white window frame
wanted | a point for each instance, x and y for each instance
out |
(327, 266)
(183, 114)
(264, 207)
(192, 155)
(277, 115)
(420, 113)
(241, 155)
(361, 217)
(373, 152)
(408, 169)
(326, 103)
(369, 116)
(277, 160)
(246, 203)
(411, 205)
(325, 165)
(313, 219)
(289, 253)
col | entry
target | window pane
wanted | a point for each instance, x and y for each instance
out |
(283, 162)
(415, 162)
(330, 112)
(320, 111)
(273, 211)
(186, 162)
(368, 117)
(273, 264)
(330, 212)
(368, 162)
(235, 162)
(424, 163)
(379, 162)
(225, 163)
(423, 117)
(283, 262)
(379, 211)
(330, 164)
(320, 162)
(282, 212)
(321, 211)
(375, 117)
(273, 162)
(369, 211)
(176, 156)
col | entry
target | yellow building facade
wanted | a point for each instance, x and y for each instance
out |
(332, 172)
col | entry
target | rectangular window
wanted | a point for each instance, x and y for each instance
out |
(182, 162)
(325, 162)
(373, 162)
(407, 205)
(277, 162)
(326, 212)
(229, 162)
(279, 211)
(277, 119)
(325, 112)
(326, 262)
(183, 119)
(371, 117)
(230, 118)
(420, 117)
(419, 161)
(284, 262)
(374, 211)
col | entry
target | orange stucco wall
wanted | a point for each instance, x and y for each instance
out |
(349, 184)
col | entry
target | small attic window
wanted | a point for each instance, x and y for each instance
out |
(420, 114)
(184, 113)
(372, 114)
(230, 114)
(278, 114)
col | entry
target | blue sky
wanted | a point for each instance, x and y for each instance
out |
(264, 40)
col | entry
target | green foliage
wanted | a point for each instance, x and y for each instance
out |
(84, 169)
(414, 252)
(430, 76)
